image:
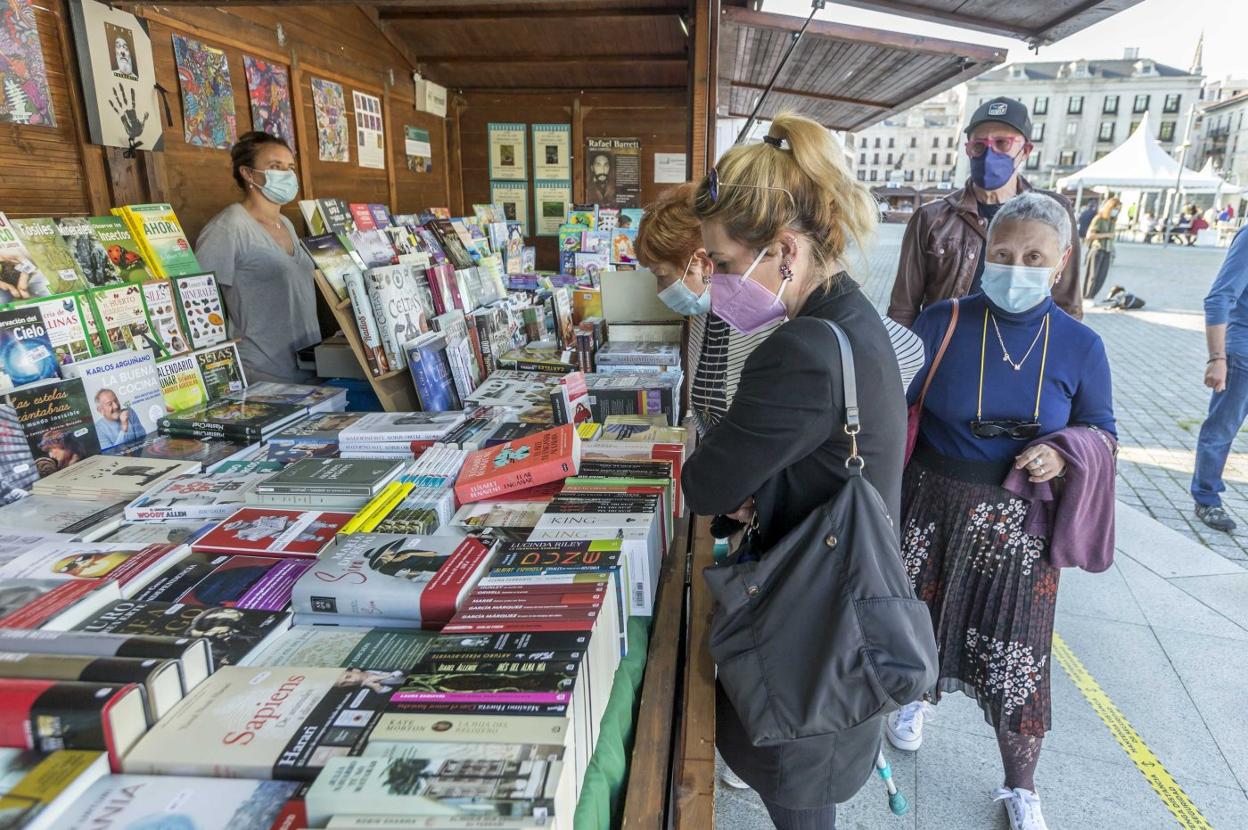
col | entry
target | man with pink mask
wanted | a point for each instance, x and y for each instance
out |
(942, 254)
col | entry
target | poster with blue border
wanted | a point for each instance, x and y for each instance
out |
(552, 152)
(514, 197)
(508, 159)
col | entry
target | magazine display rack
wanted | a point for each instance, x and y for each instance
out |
(394, 388)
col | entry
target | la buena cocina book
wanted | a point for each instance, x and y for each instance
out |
(550, 455)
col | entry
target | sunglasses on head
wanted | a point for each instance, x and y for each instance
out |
(714, 185)
(976, 147)
(1006, 428)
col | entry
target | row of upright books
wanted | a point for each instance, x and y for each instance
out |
(279, 617)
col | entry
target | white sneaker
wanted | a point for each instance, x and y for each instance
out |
(905, 726)
(732, 779)
(1023, 808)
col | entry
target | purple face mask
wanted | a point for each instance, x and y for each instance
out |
(744, 304)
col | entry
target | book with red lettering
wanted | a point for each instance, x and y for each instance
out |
(391, 579)
(47, 715)
(272, 532)
(550, 455)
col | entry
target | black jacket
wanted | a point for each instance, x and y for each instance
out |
(783, 440)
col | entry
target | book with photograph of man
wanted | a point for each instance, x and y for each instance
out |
(124, 393)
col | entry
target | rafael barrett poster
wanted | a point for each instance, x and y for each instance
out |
(613, 172)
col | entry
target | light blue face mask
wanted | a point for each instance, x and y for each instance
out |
(681, 299)
(280, 186)
(1015, 288)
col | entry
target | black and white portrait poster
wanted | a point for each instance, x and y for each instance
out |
(613, 172)
(118, 78)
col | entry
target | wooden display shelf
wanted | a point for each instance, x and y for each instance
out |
(394, 388)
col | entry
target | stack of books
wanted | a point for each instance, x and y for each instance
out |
(112, 478)
(327, 483)
(396, 434)
(234, 420)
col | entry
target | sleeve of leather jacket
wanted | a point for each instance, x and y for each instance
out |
(1068, 293)
(907, 297)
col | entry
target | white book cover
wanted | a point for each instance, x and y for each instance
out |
(384, 427)
(194, 497)
(396, 305)
(366, 323)
(123, 390)
(199, 302)
(147, 802)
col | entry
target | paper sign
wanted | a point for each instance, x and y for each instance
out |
(669, 168)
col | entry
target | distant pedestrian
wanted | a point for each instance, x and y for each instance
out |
(1085, 217)
(1099, 239)
(1226, 373)
(943, 251)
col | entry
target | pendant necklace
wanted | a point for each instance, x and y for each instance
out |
(1005, 354)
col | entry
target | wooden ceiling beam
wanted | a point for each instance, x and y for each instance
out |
(494, 14)
(817, 96)
(446, 60)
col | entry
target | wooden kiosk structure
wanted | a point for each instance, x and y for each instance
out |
(660, 71)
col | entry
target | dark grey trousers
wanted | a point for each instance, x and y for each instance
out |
(814, 818)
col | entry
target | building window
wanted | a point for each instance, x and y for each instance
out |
(946, 176)
(914, 141)
(1134, 124)
(862, 175)
(1110, 105)
(890, 143)
(1072, 129)
(874, 175)
(1067, 158)
(1074, 105)
(862, 158)
(1140, 105)
(1166, 133)
(949, 142)
(890, 158)
(1172, 104)
(1106, 133)
(1241, 122)
(1100, 154)
(1040, 106)
(931, 175)
(1037, 133)
(875, 158)
(936, 143)
(877, 142)
(948, 158)
(909, 175)
(934, 157)
(1033, 161)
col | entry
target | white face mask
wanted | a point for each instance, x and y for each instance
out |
(1016, 288)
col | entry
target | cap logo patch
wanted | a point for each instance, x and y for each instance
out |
(997, 109)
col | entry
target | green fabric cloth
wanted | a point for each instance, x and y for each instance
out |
(601, 799)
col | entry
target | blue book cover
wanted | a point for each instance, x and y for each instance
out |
(431, 373)
(26, 353)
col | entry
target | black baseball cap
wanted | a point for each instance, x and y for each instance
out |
(1006, 111)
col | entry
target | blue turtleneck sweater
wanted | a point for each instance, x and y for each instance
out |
(1076, 387)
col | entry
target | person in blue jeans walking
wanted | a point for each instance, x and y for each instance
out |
(1226, 373)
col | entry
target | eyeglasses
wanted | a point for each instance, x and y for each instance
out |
(1018, 430)
(713, 185)
(1001, 143)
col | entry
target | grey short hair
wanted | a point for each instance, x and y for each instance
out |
(1038, 207)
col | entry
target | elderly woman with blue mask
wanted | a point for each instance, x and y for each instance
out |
(1016, 436)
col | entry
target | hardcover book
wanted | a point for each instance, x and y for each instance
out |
(121, 315)
(371, 246)
(203, 314)
(159, 679)
(465, 370)
(64, 318)
(323, 427)
(317, 399)
(221, 367)
(106, 476)
(203, 497)
(272, 532)
(400, 318)
(181, 384)
(121, 248)
(336, 215)
(400, 427)
(419, 581)
(48, 514)
(429, 363)
(125, 395)
(257, 583)
(366, 324)
(231, 419)
(333, 259)
(162, 309)
(160, 235)
(90, 258)
(34, 782)
(26, 352)
(55, 416)
(333, 476)
(547, 456)
(47, 715)
(193, 655)
(388, 650)
(53, 604)
(48, 251)
(134, 802)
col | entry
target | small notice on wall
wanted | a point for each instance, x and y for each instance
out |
(552, 148)
(669, 168)
(507, 156)
(613, 172)
(370, 143)
(514, 199)
(418, 149)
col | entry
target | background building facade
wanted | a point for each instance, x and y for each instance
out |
(916, 148)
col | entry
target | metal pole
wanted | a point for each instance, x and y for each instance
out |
(815, 6)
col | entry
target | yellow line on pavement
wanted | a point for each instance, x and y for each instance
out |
(1168, 790)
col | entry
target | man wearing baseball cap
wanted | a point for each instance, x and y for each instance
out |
(942, 253)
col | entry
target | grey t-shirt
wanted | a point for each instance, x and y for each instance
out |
(269, 295)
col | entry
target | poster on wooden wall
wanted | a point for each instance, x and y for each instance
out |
(514, 197)
(24, 96)
(613, 172)
(118, 79)
(331, 120)
(551, 201)
(418, 149)
(507, 156)
(268, 88)
(552, 152)
(370, 143)
(207, 94)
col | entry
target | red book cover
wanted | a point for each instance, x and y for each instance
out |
(419, 447)
(47, 715)
(536, 612)
(137, 564)
(61, 598)
(550, 455)
(363, 217)
(273, 532)
(438, 600)
(519, 625)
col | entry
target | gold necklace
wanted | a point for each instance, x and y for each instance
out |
(1005, 355)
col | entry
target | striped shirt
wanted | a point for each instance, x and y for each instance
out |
(717, 353)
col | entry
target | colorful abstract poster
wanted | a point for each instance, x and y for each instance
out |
(370, 141)
(268, 88)
(24, 97)
(331, 120)
(207, 95)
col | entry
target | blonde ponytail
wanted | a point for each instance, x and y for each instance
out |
(801, 159)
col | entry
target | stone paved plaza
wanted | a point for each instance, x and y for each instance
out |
(1160, 640)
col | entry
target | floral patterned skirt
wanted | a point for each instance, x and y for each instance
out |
(991, 591)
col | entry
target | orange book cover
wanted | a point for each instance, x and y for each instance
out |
(550, 455)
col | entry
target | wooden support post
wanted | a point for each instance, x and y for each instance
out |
(455, 158)
(392, 176)
(305, 148)
(578, 151)
(699, 84)
(694, 772)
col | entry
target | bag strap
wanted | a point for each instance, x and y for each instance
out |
(944, 344)
(849, 381)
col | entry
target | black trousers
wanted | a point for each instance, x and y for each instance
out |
(815, 818)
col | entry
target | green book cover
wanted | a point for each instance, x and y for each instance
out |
(64, 315)
(164, 238)
(123, 251)
(162, 310)
(87, 251)
(362, 474)
(47, 249)
(121, 317)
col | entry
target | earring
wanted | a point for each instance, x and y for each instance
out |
(785, 270)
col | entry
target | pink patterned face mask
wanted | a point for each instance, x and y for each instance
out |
(744, 304)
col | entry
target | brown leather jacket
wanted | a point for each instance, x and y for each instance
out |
(941, 250)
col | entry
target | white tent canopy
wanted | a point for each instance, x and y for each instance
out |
(1141, 163)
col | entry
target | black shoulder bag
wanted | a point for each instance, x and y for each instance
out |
(823, 632)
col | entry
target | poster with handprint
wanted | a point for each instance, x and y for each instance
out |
(268, 87)
(118, 77)
(207, 94)
(331, 120)
(24, 97)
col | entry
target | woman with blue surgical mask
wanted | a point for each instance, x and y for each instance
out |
(1016, 425)
(265, 275)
